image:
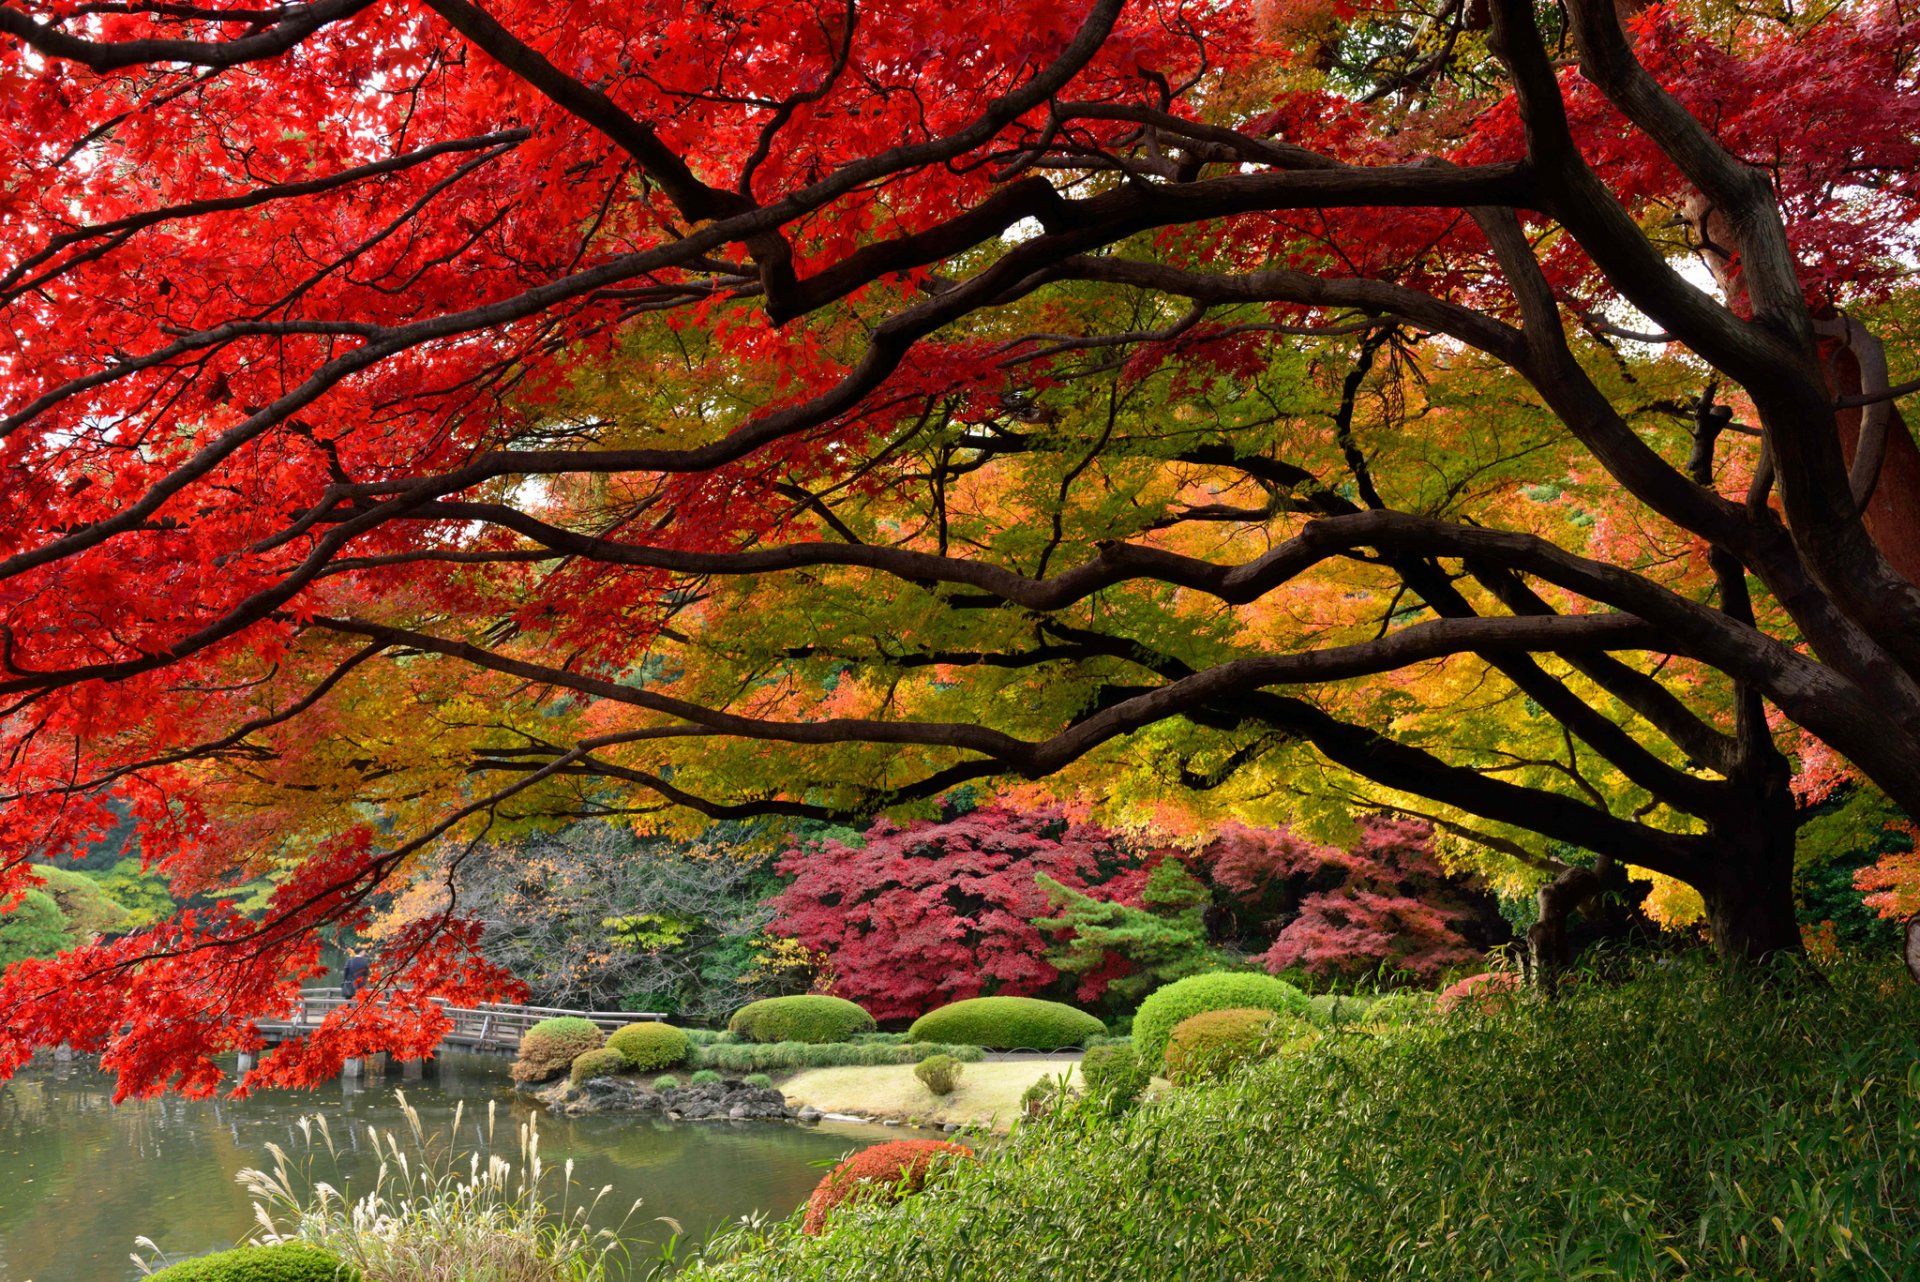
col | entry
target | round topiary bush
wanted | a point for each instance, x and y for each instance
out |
(1200, 993)
(705, 1077)
(938, 1073)
(1114, 1073)
(758, 1081)
(666, 1082)
(549, 1048)
(604, 1062)
(815, 1019)
(652, 1045)
(1212, 1043)
(1007, 1023)
(289, 1263)
(883, 1173)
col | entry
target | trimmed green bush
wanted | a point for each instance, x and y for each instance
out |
(791, 1057)
(1113, 1073)
(290, 1263)
(1193, 996)
(549, 1048)
(1008, 1023)
(705, 1077)
(1680, 1127)
(1213, 1043)
(814, 1019)
(651, 1045)
(758, 1081)
(601, 1063)
(666, 1082)
(1332, 1010)
(938, 1073)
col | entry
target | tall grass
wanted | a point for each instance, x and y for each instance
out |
(1677, 1128)
(433, 1215)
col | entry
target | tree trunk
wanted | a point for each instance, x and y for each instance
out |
(1750, 909)
(1549, 950)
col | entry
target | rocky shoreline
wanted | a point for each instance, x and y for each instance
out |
(707, 1102)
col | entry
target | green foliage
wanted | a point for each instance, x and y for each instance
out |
(1213, 1043)
(601, 1063)
(666, 1082)
(549, 1048)
(705, 1077)
(758, 1081)
(1222, 991)
(1331, 1010)
(1678, 1128)
(1165, 939)
(648, 1046)
(1046, 1097)
(812, 1018)
(290, 1263)
(788, 1057)
(938, 1073)
(89, 910)
(1007, 1023)
(34, 928)
(145, 895)
(1845, 835)
(1400, 1008)
(1114, 1073)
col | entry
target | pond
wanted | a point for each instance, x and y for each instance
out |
(80, 1178)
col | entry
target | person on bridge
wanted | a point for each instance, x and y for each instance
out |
(354, 974)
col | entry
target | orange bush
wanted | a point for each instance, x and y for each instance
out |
(883, 1173)
(1480, 992)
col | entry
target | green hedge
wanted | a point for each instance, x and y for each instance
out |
(601, 1063)
(259, 1264)
(1184, 998)
(1681, 1127)
(1112, 1072)
(1008, 1023)
(650, 1045)
(791, 1057)
(813, 1018)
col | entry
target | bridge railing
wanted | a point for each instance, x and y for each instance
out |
(488, 1024)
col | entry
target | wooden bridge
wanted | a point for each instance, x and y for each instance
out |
(489, 1027)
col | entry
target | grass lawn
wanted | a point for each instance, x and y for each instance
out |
(988, 1094)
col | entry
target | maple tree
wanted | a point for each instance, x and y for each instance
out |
(916, 917)
(1392, 913)
(421, 418)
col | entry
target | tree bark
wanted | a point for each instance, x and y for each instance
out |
(1750, 908)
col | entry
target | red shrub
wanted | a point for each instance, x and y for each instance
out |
(1394, 905)
(883, 1173)
(934, 913)
(1480, 992)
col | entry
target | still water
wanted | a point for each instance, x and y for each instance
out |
(80, 1178)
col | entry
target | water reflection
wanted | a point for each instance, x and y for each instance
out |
(80, 1178)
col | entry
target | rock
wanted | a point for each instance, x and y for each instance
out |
(709, 1101)
(808, 1113)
